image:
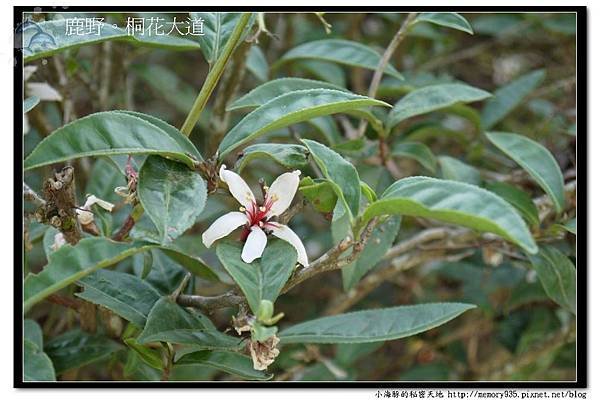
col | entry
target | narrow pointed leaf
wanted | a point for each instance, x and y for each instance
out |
(291, 108)
(558, 276)
(536, 160)
(29, 103)
(227, 361)
(518, 198)
(268, 91)
(508, 97)
(76, 348)
(456, 170)
(257, 64)
(172, 195)
(456, 203)
(218, 27)
(44, 39)
(102, 134)
(374, 325)
(264, 277)
(126, 295)
(339, 51)
(433, 98)
(418, 152)
(449, 20)
(339, 172)
(290, 156)
(171, 323)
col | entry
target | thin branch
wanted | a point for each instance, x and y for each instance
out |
(31, 196)
(209, 304)
(383, 62)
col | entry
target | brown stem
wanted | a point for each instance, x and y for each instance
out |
(208, 304)
(125, 229)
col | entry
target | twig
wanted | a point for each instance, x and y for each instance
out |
(208, 304)
(181, 286)
(290, 212)
(383, 62)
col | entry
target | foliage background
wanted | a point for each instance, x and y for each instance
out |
(516, 332)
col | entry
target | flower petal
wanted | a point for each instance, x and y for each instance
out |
(255, 245)
(237, 187)
(223, 226)
(283, 232)
(282, 192)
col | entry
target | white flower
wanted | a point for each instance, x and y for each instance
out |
(59, 241)
(256, 218)
(85, 216)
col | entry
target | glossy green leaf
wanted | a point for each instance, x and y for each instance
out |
(456, 170)
(449, 20)
(508, 97)
(44, 39)
(339, 51)
(172, 195)
(327, 127)
(218, 27)
(227, 361)
(264, 277)
(418, 152)
(33, 333)
(536, 160)
(518, 198)
(319, 192)
(257, 64)
(71, 263)
(37, 366)
(126, 295)
(76, 348)
(455, 203)
(380, 241)
(106, 133)
(171, 323)
(268, 91)
(291, 108)
(433, 98)
(150, 356)
(29, 103)
(374, 325)
(323, 70)
(290, 156)
(339, 172)
(558, 276)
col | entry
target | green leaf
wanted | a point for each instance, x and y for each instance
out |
(33, 333)
(290, 156)
(341, 173)
(558, 277)
(163, 82)
(378, 244)
(257, 64)
(433, 98)
(71, 263)
(291, 108)
(37, 366)
(264, 277)
(374, 325)
(172, 195)
(571, 226)
(218, 28)
(171, 323)
(106, 133)
(29, 103)
(508, 97)
(151, 357)
(536, 160)
(449, 20)
(230, 362)
(126, 295)
(418, 152)
(76, 348)
(327, 127)
(456, 203)
(44, 39)
(319, 192)
(339, 51)
(518, 198)
(275, 88)
(323, 70)
(456, 170)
